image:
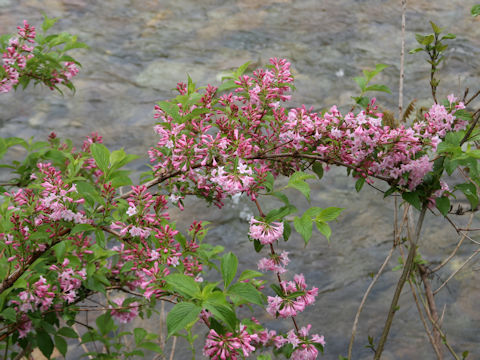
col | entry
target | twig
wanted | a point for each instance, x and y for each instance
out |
(475, 253)
(432, 307)
(471, 99)
(444, 262)
(403, 278)
(364, 299)
(172, 352)
(82, 344)
(402, 61)
(422, 318)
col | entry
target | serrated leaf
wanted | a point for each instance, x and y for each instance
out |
(247, 292)
(183, 284)
(361, 82)
(329, 214)
(170, 109)
(82, 228)
(378, 87)
(180, 316)
(101, 155)
(435, 28)
(151, 346)
(280, 213)
(223, 313)
(324, 229)
(470, 192)
(105, 323)
(287, 230)
(304, 226)
(249, 274)
(443, 205)
(228, 266)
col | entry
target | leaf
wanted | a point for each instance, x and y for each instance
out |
(475, 11)
(61, 345)
(170, 109)
(48, 23)
(443, 205)
(139, 334)
(228, 266)
(249, 274)
(324, 228)
(470, 192)
(45, 343)
(413, 199)
(151, 346)
(68, 332)
(247, 292)
(82, 228)
(181, 315)
(183, 284)
(463, 114)
(9, 314)
(101, 155)
(222, 312)
(329, 214)
(359, 184)
(287, 230)
(304, 226)
(361, 82)
(279, 214)
(105, 323)
(297, 181)
(435, 28)
(378, 87)
(318, 169)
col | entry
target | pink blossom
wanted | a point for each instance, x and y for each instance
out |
(265, 233)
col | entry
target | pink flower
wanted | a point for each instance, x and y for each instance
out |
(265, 233)
(126, 313)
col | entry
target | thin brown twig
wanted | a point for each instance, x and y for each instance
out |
(445, 261)
(475, 253)
(364, 299)
(422, 318)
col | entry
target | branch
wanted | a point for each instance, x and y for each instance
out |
(403, 278)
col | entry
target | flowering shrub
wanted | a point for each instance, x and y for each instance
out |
(68, 232)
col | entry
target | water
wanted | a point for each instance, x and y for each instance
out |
(140, 49)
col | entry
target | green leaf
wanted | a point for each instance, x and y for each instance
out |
(227, 85)
(329, 214)
(448, 36)
(475, 11)
(279, 214)
(82, 228)
(45, 343)
(180, 316)
(61, 345)
(287, 230)
(318, 169)
(105, 323)
(378, 87)
(139, 334)
(48, 23)
(304, 226)
(9, 314)
(241, 69)
(247, 292)
(435, 28)
(297, 181)
(324, 228)
(101, 155)
(470, 192)
(68, 332)
(257, 245)
(249, 274)
(359, 184)
(269, 180)
(170, 109)
(443, 205)
(413, 199)
(361, 82)
(228, 268)
(222, 312)
(183, 284)
(151, 346)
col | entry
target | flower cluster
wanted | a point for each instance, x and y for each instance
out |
(294, 298)
(17, 56)
(264, 232)
(229, 346)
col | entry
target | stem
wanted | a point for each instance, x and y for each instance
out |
(364, 299)
(403, 278)
(402, 62)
